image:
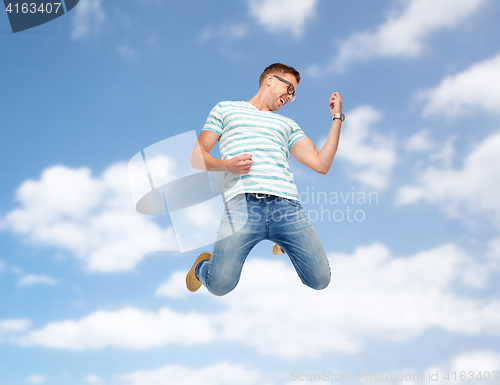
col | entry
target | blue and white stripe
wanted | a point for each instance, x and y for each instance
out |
(267, 136)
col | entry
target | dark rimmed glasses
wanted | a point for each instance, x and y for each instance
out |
(290, 89)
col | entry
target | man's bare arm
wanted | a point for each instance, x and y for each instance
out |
(202, 160)
(304, 151)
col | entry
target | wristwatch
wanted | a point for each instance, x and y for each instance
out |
(339, 116)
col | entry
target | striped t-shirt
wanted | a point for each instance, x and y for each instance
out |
(267, 136)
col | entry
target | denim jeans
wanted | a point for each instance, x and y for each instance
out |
(277, 219)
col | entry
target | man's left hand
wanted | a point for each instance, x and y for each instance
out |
(335, 103)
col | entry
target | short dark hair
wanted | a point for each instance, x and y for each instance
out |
(278, 68)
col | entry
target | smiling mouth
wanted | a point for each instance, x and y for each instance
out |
(282, 100)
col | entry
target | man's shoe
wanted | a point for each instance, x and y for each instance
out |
(192, 281)
(277, 250)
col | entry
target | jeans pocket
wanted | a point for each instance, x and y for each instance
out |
(236, 200)
(292, 202)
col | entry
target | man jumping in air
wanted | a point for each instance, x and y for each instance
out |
(255, 143)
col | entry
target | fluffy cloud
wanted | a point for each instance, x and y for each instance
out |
(93, 218)
(420, 142)
(36, 279)
(11, 328)
(478, 362)
(283, 15)
(37, 379)
(89, 16)
(220, 374)
(494, 249)
(469, 190)
(128, 328)
(93, 379)
(404, 33)
(276, 16)
(466, 92)
(14, 325)
(173, 287)
(369, 156)
(372, 293)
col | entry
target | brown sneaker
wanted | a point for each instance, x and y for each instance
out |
(192, 281)
(277, 250)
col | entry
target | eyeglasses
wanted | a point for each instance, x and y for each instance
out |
(290, 89)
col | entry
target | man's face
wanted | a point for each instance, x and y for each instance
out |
(279, 90)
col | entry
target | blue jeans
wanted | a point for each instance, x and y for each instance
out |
(280, 220)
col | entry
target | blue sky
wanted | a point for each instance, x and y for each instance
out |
(414, 280)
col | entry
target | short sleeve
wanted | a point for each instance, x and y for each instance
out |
(295, 135)
(214, 120)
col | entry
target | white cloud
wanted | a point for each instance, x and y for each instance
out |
(36, 279)
(127, 328)
(174, 287)
(457, 370)
(469, 190)
(467, 92)
(420, 142)
(93, 379)
(494, 249)
(479, 362)
(37, 379)
(222, 373)
(88, 18)
(287, 16)
(369, 156)
(446, 155)
(404, 33)
(15, 325)
(93, 218)
(372, 293)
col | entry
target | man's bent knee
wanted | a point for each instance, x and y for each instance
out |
(220, 289)
(320, 282)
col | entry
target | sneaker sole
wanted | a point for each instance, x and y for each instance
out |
(277, 249)
(192, 282)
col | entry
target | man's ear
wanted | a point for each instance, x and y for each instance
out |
(269, 79)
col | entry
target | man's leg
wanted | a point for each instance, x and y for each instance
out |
(291, 229)
(221, 274)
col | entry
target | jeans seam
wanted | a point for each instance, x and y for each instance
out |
(267, 220)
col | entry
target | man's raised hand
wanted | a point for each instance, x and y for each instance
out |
(335, 103)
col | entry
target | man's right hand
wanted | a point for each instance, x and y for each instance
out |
(240, 164)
